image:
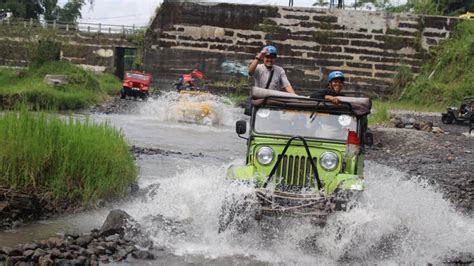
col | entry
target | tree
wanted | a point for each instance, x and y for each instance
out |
(50, 9)
(71, 11)
(23, 8)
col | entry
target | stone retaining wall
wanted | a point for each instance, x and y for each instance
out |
(220, 40)
(94, 51)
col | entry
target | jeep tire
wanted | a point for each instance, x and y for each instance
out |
(447, 118)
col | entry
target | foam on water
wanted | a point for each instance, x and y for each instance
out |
(401, 221)
(164, 108)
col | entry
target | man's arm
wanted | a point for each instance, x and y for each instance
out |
(290, 89)
(286, 83)
(253, 64)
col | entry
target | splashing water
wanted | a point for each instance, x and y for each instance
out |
(400, 221)
(206, 109)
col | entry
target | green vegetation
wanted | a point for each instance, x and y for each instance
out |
(379, 113)
(238, 98)
(138, 38)
(66, 160)
(49, 9)
(83, 89)
(449, 76)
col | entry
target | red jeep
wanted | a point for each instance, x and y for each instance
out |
(136, 84)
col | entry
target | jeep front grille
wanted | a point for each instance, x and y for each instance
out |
(295, 172)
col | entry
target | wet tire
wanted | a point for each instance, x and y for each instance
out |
(236, 214)
(447, 119)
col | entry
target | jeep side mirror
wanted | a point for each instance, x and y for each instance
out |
(369, 139)
(241, 127)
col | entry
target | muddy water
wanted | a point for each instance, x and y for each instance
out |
(401, 220)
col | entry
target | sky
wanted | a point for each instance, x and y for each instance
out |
(139, 12)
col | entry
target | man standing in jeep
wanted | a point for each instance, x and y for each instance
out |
(335, 85)
(268, 75)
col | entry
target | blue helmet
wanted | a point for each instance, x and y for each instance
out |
(271, 50)
(335, 75)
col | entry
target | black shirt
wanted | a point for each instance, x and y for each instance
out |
(327, 91)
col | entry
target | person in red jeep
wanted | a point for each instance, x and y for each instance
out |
(136, 84)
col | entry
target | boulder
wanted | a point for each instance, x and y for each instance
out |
(56, 80)
(119, 222)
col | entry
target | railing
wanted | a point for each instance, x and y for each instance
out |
(81, 27)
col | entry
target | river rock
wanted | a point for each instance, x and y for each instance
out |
(28, 253)
(45, 261)
(119, 222)
(56, 80)
(83, 241)
(13, 260)
(37, 254)
(143, 255)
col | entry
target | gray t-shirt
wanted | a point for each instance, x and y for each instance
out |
(279, 79)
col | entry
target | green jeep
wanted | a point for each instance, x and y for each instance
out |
(305, 156)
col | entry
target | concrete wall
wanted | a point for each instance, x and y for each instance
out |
(221, 39)
(94, 51)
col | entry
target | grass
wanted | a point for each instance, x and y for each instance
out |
(381, 109)
(449, 77)
(70, 160)
(83, 89)
(237, 98)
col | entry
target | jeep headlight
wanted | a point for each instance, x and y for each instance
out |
(329, 161)
(265, 155)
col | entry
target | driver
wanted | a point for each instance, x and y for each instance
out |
(335, 85)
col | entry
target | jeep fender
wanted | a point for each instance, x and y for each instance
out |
(245, 173)
(345, 182)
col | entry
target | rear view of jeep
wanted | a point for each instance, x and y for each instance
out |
(305, 156)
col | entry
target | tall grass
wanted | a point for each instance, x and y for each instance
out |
(83, 89)
(69, 159)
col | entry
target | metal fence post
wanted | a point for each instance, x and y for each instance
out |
(67, 27)
(100, 27)
(54, 24)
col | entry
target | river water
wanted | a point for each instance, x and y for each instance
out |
(402, 220)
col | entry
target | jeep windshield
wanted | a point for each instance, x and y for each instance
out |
(137, 76)
(304, 123)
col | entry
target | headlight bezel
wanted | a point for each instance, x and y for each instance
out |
(258, 155)
(324, 158)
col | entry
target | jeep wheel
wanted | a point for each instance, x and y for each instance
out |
(236, 214)
(122, 94)
(446, 119)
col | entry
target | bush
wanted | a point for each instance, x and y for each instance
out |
(73, 160)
